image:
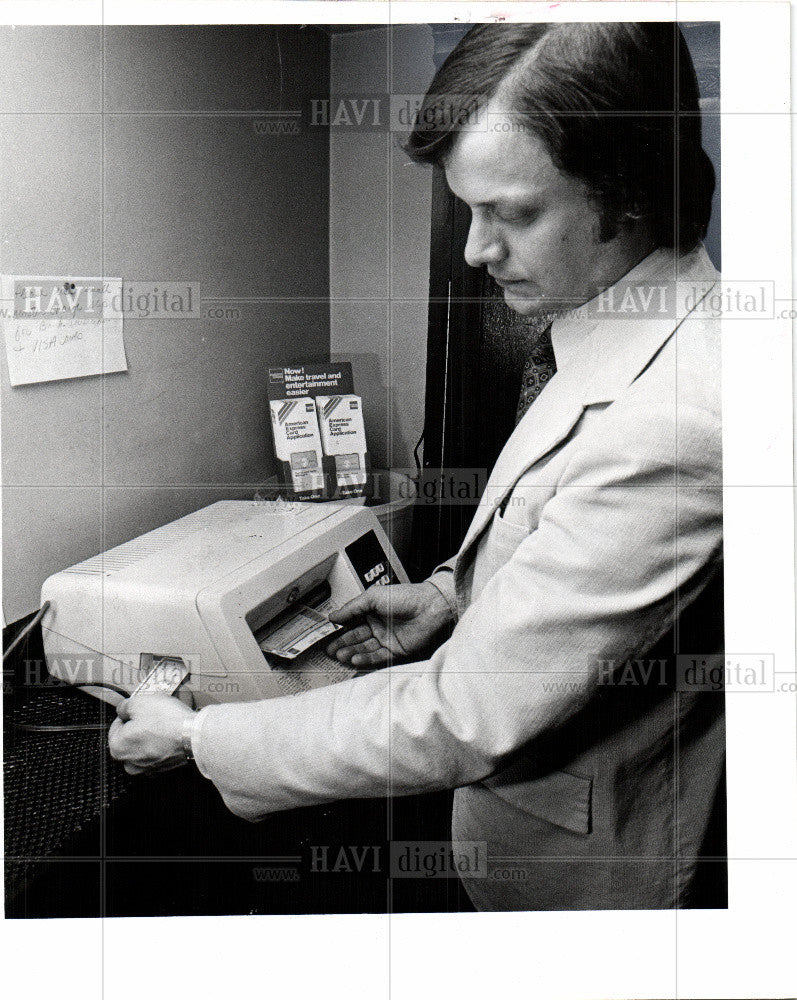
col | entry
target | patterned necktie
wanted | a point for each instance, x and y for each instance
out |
(538, 371)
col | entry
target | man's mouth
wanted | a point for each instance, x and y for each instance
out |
(515, 283)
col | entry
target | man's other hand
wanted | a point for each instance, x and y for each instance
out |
(393, 621)
(148, 733)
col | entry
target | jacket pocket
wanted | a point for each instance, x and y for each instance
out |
(559, 797)
(507, 534)
(495, 550)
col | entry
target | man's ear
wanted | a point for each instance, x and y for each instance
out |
(623, 220)
(636, 211)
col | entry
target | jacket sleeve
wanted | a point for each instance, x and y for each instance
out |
(629, 527)
(443, 580)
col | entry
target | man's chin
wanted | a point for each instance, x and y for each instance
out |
(525, 303)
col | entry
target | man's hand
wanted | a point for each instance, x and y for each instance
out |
(148, 735)
(399, 620)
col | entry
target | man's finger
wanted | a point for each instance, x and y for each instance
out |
(134, 769)
(350, 638)
(356, 608)
(347, 654)
(123, 710)
(376, 658)
(114, 736)
(369, 646)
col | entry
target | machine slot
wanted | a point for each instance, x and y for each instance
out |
(300, 625)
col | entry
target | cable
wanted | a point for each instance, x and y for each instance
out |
(415, 450)
(103, 684)
(26, 630)
(76, 727)
(83, 727)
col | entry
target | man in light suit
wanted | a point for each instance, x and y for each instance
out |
(554, 708)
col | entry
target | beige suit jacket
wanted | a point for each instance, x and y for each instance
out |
(597, 792)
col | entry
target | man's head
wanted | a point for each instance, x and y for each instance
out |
(577, 147)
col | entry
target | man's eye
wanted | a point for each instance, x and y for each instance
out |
(514, 217)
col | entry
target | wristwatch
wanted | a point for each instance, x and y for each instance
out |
(189, 725)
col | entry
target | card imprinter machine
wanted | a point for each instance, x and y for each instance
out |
(235, 595)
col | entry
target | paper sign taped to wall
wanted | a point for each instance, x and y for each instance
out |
(63, 327)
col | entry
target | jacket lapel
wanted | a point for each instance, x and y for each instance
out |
(546, 423)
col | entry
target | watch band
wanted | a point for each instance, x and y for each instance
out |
(187, 734)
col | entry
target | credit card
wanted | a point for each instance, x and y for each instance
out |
(164, 678)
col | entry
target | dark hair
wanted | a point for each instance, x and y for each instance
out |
(616, 105)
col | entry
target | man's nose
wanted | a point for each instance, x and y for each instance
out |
(484, 245)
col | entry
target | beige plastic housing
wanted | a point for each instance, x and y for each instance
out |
(197, 590)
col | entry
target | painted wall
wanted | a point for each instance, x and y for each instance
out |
(380, 206)
(156, 172)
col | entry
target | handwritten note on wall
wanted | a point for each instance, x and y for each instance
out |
(62, 327)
